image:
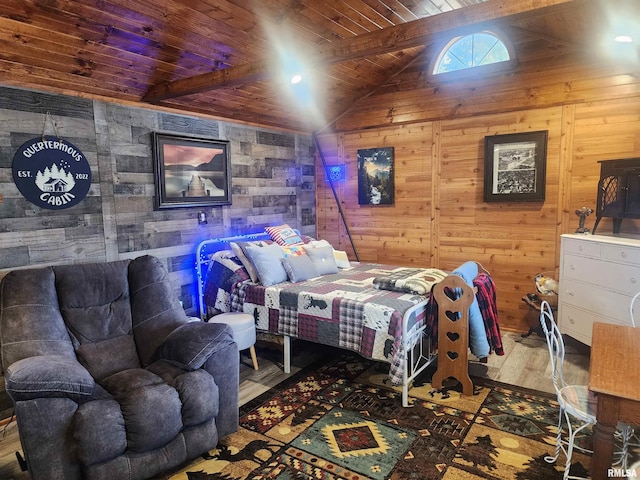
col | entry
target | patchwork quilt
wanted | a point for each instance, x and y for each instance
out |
(402, 280)
(224, 273)
(345, 309)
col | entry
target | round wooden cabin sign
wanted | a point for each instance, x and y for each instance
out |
(51, 173)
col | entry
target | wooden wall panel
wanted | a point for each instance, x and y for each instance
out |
(452, 224)
(272, 183)
(603, 131)
(414, 96)
(398, 233)
(511, 240)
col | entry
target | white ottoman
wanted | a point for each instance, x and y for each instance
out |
(244, 331)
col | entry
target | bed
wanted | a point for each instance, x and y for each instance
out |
(379, 311)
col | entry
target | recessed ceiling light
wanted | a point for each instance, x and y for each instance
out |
(297, 78)
(624, 39)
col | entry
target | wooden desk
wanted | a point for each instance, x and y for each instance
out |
(614, 376)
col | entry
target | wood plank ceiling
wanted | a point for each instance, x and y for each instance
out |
(226, 58)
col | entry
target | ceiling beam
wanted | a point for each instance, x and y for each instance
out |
(228, 77)
(387, 40)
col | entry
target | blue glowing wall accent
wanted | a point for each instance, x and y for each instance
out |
(335, 173)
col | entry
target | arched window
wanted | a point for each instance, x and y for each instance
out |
(473, 50)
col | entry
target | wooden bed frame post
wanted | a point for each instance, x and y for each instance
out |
(453, 332)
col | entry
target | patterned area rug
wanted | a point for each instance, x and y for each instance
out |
(341, 421)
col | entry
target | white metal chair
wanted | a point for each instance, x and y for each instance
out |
(577, 403)
(633, 322)
(630, 437)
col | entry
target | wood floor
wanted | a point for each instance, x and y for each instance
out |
(525, 363)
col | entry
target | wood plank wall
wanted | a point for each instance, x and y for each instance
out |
(399, 233)
(439, 218)
(272, 183)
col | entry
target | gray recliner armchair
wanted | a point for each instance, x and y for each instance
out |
(109, 377)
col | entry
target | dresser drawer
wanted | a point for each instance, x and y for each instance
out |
(609, 276)
(580, 247)
(578, 323)
(605, 303)
(579, 268)
(599, 276)
(621, 254)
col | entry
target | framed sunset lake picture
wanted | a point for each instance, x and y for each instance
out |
(191, 171)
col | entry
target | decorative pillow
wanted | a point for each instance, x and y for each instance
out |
(319, 243)
(238, 249)
(322, 258)
(268, 264)
(306, 238)
(299, 268)
(342, 261)
(284, 235)
(341, 258)
(294, 250)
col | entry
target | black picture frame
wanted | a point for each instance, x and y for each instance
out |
(376, 176)
(515, 167)
(190, 171)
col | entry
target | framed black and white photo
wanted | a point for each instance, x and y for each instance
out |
(515, 167)
(375, 176)
(191, 171)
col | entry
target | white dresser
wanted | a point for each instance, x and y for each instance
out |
(599, 275)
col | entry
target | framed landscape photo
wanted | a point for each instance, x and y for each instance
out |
(191, 171)
(515, 167)
(375, 176)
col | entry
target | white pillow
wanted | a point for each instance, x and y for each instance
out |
(248, 265)
(268, 263)
(319, 243)
(322, 258)
(340, 256)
